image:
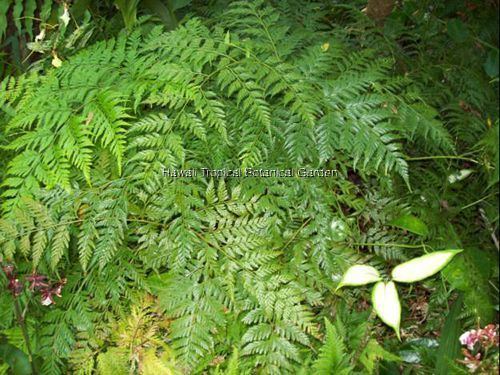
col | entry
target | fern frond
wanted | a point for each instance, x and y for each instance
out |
(332, 358)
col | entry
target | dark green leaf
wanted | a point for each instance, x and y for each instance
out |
(411, 224)
(491, 64)
(16, 359)
(178, 4)
(457, 30)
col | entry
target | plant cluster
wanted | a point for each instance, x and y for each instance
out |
(479, 345)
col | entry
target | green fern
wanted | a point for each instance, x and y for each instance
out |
(332, 358)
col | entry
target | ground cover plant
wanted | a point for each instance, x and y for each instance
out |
(209, 187)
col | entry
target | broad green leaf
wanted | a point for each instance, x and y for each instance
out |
(46, 10)
(470, 273)
(17, 14)
(359, 275)
(15, 358)
(178, 4)
(128, 9)
(411, 224)
(491, 64)
(164, 10)
(29, 16)
(422, 267)
(4, 7)
(457, 30)
(386, 304)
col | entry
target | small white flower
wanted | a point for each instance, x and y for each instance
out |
(47, 300)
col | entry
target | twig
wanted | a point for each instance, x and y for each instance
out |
(436, 157)
(490, 228)
(479, 200)
(381, 244)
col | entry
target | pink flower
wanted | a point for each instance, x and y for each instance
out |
(47, 293)
(57, 288)
(36, 281)
(469, 338)
(9, 270)
(15, 286)
(489, 335)
(47, 297)
(472, 365)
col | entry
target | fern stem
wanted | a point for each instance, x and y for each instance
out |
(296, 233)
(437, 157)
(132, 347)
(389, 245)
(266, 29)
(479, 200)
(43, 228)
(22, 325)
(490, 228)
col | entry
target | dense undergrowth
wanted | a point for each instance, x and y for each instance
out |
(113, 266)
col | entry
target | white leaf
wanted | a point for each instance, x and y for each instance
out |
(65, 16)
(460, 175)
(56, 61)
(422, 267)
(386, 304)
(40, 36)
(359, 275)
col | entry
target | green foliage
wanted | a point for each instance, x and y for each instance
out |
(36, 32)
(332, 358)
(29, 27)
(15, 359)
(449, 344)
(348, 353)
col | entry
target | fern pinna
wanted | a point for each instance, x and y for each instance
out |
(246, 266)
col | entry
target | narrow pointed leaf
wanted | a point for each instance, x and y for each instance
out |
(385, 301)
(449, 344)
(422, 267)
(359, 275)
(411, 224)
